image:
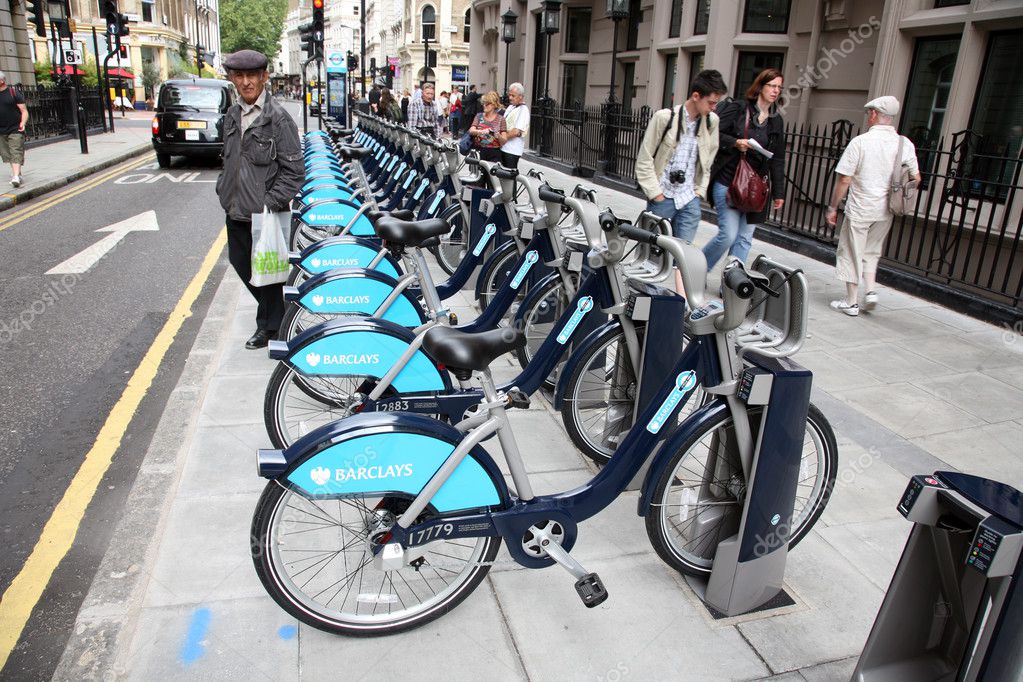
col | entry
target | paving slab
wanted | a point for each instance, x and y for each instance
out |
(990, 450)
(908, 410)
(984, 397)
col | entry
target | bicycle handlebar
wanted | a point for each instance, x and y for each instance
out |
(736, 279)
(548, 193)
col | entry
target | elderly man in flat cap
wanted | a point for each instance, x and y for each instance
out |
(262, 167)
(865, 173)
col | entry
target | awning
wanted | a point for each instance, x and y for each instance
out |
(120, 73)
(69, 69)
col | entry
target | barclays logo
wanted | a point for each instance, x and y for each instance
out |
(373, 472)
(352, 359)
(318, 300)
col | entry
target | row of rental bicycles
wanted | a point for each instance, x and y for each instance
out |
(385, 506)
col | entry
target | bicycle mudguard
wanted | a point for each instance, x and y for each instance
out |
(356, 291)
(361, 346)
(345, 252)
(576, 357)
(332, 193)
(323, 182)
(338, 213)
(386, 454)
(696, 421)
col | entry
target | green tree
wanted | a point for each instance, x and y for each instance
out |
(252, 25)
(44, 72)
(150, 77)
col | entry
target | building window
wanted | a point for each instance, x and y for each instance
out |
(577, 29)
(629, 86)
(950, 3)
(997, 113)
(635, 19)
(465, 25)
(670, 71)
(702, 17)
(675, 27)
(429, 23)
(147, 10)
(766, 16)
(930, 82)
(750, 65)
(573, 84)
(695, 65)
(539, 64)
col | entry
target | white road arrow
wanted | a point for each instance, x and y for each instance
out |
(83, 260)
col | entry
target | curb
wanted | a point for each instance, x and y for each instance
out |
(106, 621)
(11, 200)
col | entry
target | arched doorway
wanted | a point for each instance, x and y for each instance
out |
(426, 75)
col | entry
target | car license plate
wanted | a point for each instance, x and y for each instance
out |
(191, 134)
(195, 125)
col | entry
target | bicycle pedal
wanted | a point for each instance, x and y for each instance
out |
(518, 399)
(591, 590)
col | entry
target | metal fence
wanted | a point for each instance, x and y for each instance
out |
(50, 111)
(603, 138)
(965, 231)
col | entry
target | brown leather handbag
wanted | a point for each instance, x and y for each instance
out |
(749, 190)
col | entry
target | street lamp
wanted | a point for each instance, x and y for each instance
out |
(616, 10)
(551, 24)
(508, 36)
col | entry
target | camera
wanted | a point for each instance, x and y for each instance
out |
(677, 177)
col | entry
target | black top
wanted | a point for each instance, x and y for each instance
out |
(770, 135)
(374, 96)
(10, 114)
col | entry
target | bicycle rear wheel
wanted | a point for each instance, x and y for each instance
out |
(495, 273)
(313, 558)
(295, 404)
(698, 500)
(538, 322)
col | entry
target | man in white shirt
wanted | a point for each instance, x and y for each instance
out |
(865, 173)
(516, 116)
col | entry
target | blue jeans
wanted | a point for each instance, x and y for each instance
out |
(734, 235)
(684, 221)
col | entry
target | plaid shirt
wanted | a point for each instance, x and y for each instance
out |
(683, 159)
(422, 116)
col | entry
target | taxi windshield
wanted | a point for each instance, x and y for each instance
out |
(194, 97)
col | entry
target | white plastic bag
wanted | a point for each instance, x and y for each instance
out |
(269, 248)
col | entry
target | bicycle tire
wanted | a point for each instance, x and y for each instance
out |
(319, 400)
(450, 252)
(297, 319)
(538, 322)
(301, 576)
(495, 272)
(710, 507)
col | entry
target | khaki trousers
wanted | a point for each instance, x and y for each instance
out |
(860, 244)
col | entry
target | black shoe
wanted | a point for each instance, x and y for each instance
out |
(259, 339)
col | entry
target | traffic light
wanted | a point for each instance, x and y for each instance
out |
(113, 17)
(391, 73)
(305, 37)
(373, 67)
(199, 59)
(122, 52)
(353, 62)
(431, 59)
(34, 13)
(122, 24)
(318, 23)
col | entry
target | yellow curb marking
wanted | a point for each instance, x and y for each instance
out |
(25, 590)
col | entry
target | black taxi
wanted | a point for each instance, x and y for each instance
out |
(189, 119)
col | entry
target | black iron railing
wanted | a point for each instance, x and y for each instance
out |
(50, 113)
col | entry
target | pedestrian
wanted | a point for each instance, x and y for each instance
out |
(516, 117)
(753, 118)
(374, 95)
(455, 118)
(13, 117)
(679, 146)
(442, 110)
(262, 168)
(865, 173)
(404, 106)
(489, 130)
(388, 107)
(470, 106)
(422, 113)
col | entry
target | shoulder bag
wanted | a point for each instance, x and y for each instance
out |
(902, 197)
(749, 190)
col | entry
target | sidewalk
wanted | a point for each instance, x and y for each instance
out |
(910, 388)
(51, 166)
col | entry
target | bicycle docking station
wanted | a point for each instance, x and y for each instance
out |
(954, 609)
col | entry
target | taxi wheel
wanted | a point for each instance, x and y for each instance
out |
(163, 160)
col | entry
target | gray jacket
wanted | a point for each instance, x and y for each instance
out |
(263, 167)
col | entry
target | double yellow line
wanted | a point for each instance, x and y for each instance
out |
(11, 219)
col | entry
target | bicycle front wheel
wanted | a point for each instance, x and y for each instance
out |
(698, 500)
(495, 273)
(313, 558)
(538, 322)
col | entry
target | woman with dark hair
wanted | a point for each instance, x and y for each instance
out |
(388, 107)
(754, 118)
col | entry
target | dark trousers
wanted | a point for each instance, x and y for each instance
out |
(270, 298)
(510, 160)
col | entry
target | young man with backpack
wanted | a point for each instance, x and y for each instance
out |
(673, 164)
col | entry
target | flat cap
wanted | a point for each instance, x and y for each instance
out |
(887, 105)
(245, 60)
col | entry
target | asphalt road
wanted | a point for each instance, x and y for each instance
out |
(68, 345)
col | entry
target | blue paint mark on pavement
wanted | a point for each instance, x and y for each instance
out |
(287, 631)
(194, 648)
